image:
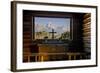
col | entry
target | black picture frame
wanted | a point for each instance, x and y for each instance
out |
(14, 34)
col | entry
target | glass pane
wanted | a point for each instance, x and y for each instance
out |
(52, 28)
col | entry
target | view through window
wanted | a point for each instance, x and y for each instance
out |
(52, 28)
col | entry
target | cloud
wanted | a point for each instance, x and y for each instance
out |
(51, 25)
(40, 27)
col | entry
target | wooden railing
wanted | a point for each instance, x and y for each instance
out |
(41, 56)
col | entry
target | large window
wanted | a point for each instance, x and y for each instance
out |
(52, 28)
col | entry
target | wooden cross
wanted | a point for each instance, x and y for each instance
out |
(52, 33)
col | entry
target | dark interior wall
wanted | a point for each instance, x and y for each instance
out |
(76, 28)
(77, 31)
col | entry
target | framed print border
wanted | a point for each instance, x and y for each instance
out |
(15, 67)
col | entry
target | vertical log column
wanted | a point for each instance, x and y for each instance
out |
(27, 25)
(87, 32)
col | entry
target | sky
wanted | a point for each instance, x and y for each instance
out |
(48, 23)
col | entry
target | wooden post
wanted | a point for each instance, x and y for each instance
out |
(39, 58)
(69, 57)
(42, 58)
(28, 58)
(36, 58)
(74, 57)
